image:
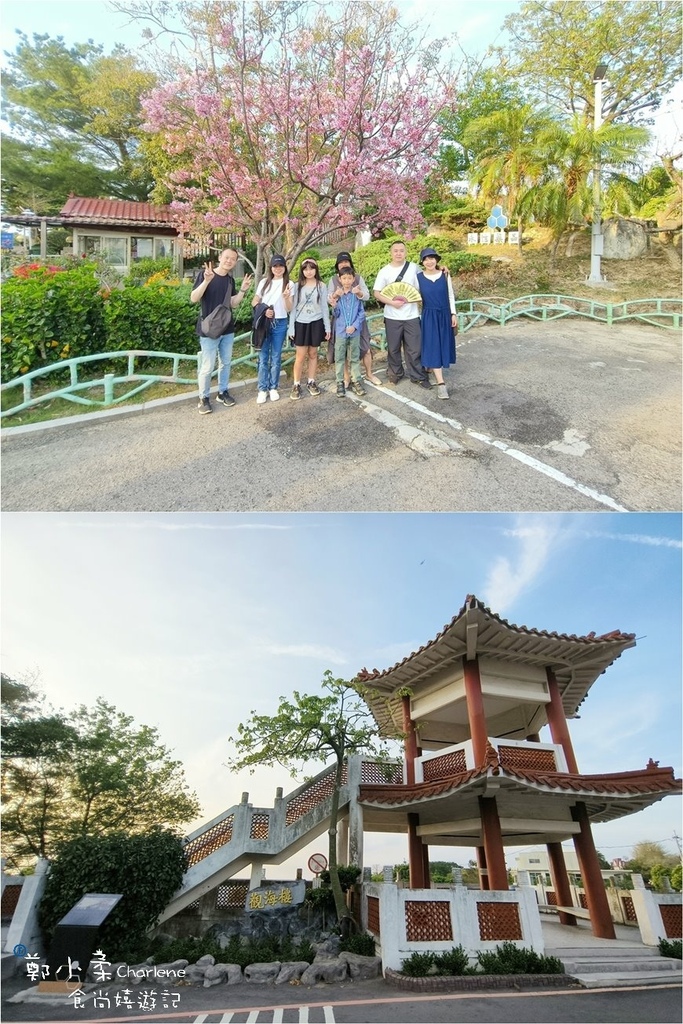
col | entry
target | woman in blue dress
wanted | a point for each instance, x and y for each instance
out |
(439, 321)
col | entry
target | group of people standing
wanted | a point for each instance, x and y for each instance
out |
(308, 312)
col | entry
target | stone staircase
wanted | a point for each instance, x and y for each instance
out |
(618, 967)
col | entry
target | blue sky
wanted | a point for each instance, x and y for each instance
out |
(189, 622)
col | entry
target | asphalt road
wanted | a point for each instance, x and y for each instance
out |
(563, 416)
(377, 1003)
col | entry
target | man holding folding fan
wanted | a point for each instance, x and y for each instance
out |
(401, 317)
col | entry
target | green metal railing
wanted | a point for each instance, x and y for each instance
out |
(667, 313)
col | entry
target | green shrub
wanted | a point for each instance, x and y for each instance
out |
(348, 875)
(321, 899)
(362, 944)
(50, 314)
(236, 951)
(510, 959)
(160, 319)
(671, 947)
(371, 258)
(418, 965)
(147, 869)
(453, 961)
(144, 268)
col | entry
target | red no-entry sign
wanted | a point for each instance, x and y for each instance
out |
(317, 863)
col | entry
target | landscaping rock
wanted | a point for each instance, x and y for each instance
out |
(291, 971)
(215, 974)
(362, 968)
(624, 239)
(328, 948)
(194, 974)
(262, 974)
(234, 973)
(330, 971)
(206, 961)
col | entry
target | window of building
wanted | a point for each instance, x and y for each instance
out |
(141, 248)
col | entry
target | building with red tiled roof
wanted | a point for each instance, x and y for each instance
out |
(470, 704)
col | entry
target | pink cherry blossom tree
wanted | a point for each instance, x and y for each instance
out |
(300, 119)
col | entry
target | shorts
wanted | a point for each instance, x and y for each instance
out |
(309, 335)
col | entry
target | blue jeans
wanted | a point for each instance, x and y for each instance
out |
(212, 347)
(270, 356)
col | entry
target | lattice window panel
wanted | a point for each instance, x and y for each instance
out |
(629, 909)
(428, 921)
(499, 922)
(527, 759)
(551, 898)
(372, 773)
(210, 841)
(441, 767)
(231, 894)
(10, 898)
(583, 900)
(672, 919)
(373, 915)
(312, 796)
(260, 826)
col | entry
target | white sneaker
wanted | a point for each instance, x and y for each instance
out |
(261, 397)
(441, 391)
(274, 395)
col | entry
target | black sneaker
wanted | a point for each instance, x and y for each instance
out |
(422, 383)
(296, 393)
(226, 398)
(358, 388)
(341, 391)
(313, 388)
(204, 406)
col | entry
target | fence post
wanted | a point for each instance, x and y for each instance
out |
(109, 389)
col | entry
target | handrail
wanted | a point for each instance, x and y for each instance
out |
(666, 313)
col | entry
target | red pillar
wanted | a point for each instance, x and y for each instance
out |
(415, 855)
(483, 871)
(426, 873)
(410, 741)
(596, 897)
(558, 723)
(493, 843)
(475, 710)
(558, 873)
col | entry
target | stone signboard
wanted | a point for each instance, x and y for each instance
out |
(275, 895)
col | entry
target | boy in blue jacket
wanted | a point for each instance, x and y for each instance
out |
(349, 314)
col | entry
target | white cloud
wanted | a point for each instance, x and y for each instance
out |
(511, 575)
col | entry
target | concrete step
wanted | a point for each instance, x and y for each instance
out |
(599, 952)
(630, 979)
(620, 965)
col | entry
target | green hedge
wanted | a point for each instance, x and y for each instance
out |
(50, 314)
(159, 319)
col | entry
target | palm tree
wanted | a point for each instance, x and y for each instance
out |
(506, 161)
(563, 193)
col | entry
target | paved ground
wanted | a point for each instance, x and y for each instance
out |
(542, 417)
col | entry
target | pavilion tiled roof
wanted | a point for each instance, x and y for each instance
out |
(116, 213)
(577, 660)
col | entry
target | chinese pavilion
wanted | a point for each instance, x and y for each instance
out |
(470, 704)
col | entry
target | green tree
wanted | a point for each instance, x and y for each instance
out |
(309, 728)
(79, 110)
(557, 44)
(89, 772)
(146, 869)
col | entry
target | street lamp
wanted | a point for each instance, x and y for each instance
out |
(595, 276)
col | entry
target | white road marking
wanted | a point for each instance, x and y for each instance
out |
(572, 443)
(303, 1015)
(277, 1015)
(226, 1018)
(329, 1014)
(514, 453)
(253, 1017)
(419, 440)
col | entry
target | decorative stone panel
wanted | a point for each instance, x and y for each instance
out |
(498, 922)
(231, 894)
(551, 898)
(313, 795)
(527, 758)
(428, 921)
(373, 915)
(260, 825)
(210, 841)
(10, 898)
(452, 763)
(583, 900)
(629, 909)
(377, 774)
(672, 919)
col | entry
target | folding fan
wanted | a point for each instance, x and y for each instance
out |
(402, 290)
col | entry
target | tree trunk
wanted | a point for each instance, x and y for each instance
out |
(343, 912)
